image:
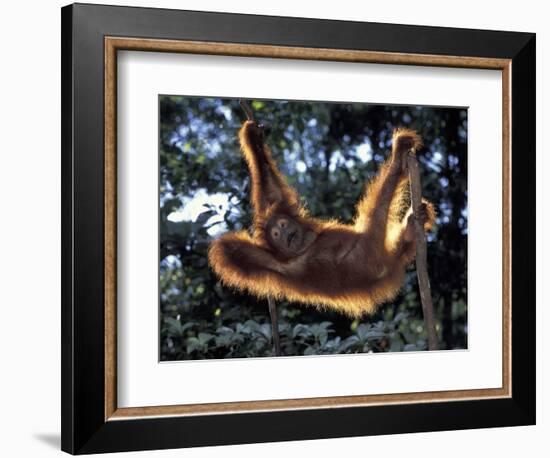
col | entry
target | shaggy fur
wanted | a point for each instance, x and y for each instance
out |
(347, 268)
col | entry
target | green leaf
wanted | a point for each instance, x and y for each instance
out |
(174, 326)
(300, 330)
(396, 345)
(187, 326)
(362, 331)
(204, 338)
(265, 330)
(375, 335)
(400, 317)
(257, 105)
(192, 344)
(323, 339)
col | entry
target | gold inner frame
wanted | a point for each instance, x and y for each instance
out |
(114, 44)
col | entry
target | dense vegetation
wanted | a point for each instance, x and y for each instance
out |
(327, 151)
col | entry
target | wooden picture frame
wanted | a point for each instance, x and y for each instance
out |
(91, 37)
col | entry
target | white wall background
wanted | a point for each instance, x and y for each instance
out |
(30, 228)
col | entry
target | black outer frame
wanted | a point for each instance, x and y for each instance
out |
(83, 426)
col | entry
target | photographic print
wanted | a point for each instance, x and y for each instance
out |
(337, 205)
(286, 227)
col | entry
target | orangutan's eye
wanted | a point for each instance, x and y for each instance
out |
(275, 233)
(283, 223)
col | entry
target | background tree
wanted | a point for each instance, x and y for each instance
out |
(327, 151)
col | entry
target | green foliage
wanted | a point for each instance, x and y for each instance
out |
(327, 151)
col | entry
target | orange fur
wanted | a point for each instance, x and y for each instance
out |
(347, 268)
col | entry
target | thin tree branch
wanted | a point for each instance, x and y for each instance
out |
(246, 108)
(270, 301)
(274, 326)
(421, 252)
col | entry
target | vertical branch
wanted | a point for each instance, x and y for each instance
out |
(421, 252)
(270, 301)
(274, 325)
(247, 110)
